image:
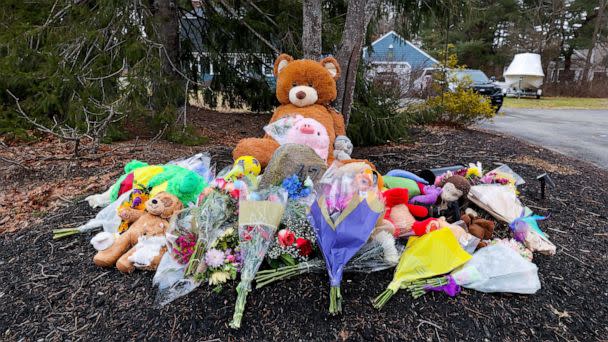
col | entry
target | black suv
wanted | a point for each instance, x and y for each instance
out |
(479, 82)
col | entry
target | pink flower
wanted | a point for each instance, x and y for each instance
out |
(264, 234)
(286, 237)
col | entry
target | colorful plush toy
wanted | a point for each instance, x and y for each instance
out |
(454, 188)
(395, 182)
(306, 88)
(176, 180)
(430, 194)
(143, 244)
(399, 216)
(407, 174)
(296, 129)
(245, 166)
(343, 148)
(137, 175)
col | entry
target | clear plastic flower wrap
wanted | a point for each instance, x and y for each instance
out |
(260, 213)
(191, 234)
(107, 218)
(370, 258)
(199, 163)
(213, 217)
(496, 268)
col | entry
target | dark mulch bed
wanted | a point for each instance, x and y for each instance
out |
(51, 289)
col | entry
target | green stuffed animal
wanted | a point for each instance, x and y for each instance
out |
(176, 180)
(183, 183)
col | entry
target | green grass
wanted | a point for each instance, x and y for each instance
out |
(556, 103)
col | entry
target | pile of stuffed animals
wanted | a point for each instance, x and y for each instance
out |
(305, 89)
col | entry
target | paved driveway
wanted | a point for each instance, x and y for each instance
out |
(582, 134)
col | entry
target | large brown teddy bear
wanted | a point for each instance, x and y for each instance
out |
(304, 87)
(143, 244)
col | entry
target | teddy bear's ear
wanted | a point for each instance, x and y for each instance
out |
(332, 65)
(281, 63)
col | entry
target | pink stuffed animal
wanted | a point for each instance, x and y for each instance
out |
(300, 130)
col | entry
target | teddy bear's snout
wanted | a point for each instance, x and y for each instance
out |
(301, 95)
(154, 201)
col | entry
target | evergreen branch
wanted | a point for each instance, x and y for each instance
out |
(251, 29)
(264, 14)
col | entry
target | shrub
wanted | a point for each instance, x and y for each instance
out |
(462, 107)
(188, 136)
(459, 106)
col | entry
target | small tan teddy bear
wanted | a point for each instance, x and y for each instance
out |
(143, 244)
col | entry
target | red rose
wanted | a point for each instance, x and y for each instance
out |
(304, 246)
(235, 194)
(286, 237)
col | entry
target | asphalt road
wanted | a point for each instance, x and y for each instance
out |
(582, 134)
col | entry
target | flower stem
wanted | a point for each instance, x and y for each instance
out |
(64, 232)
(335, 300)
(383, 298)
(239, 307)
(263, 281)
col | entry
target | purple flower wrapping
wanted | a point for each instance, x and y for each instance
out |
(340, 241)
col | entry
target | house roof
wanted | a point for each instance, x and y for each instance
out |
(600, 53)
(392, 48)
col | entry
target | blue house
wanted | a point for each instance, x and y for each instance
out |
(395, 61)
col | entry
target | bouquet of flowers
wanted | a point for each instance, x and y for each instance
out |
(195, 238)
(343, 215)
(222, 261)
(295, 240)
(260, 213)
(370, 258)
(432, 254)
(496, 268)
(107, 218)
(137, 201)
(502, 203)
(216, 214)
(502, 175)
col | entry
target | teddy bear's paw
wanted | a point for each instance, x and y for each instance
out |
(146, 249)
(103, 241)
(343, 148)
(471, 211)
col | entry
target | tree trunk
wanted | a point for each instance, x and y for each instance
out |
(312, 29)
(358, 16)
(587, 76)
(167, 25)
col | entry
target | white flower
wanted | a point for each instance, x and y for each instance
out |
(214, 258)
(218, 277)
